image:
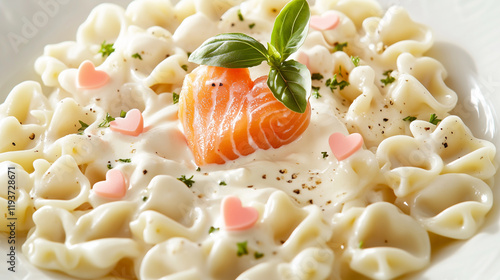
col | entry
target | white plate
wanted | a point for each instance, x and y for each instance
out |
(467, 42)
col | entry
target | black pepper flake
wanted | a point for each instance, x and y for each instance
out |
(221, 84)
(445, 145)
(297, 191)
(32, 136)
(13, 144)
(213, 84)
(264, 176)
(310, 201)
(283, 171)
(386, 119)
(294, 176)
(144, 172)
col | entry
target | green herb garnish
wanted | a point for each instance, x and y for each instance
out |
(240, 16)
(144, 198)
(184, 67)
(123, 114)
(288, 80)
(325, 154)
(188, 181)
(222, 183)
(212, 229)
(316, 76)
(389, 79)
(339, 47)
(137, 55)
(106, 121)
(109, 166)
(175, 97)
(355, 60)
(106, 49)
(258, 255)
(242, 248)
(126, 160)
(409, 118)
(315, 92)
(251, 25)
(333, 83)
(82, 128)
(434, 119)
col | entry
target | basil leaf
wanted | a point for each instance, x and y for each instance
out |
(290, 84)
(230, 50)
(290, 28)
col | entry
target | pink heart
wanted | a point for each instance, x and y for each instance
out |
(326, 21)
(113, 187)
(237, 217)
(132, 124)
(89, 77)
(344, 146)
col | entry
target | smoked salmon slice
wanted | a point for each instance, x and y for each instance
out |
(226, 115)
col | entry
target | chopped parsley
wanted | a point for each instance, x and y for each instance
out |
(198, 169)
(185, 67)
(324, 154)
(144, 198)
(82, 128)
(316, 76)
(212, 229)
(409, 118)
(434, 119)
(106, 49)
(355, 60)
(389, 79)
(361, 243)
(315, 92)
(242, 248)
(333, 83)
(222, 183)
(175, 97)
(109, 166)
(137, 55)
(251, 25)
(123, 114)
(106, 121)
(258, 255)
(124, 160)
(339, 47)
(188, 181)
(240, 16)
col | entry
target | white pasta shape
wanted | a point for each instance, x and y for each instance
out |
(310, 264)
(16, 204)
(167, 260)
(461, 151)
(153, 227)
(452, 205)
(70, 53)
(106, 22)
(387, 243)
(356, 10)
(408, 164)
(27, 104)
(161, 199)
(394, 34)
(420, 89)
(215, 8)
(67, 117)
(60, 184)
(148, 13)
(49, 69)
(189, 36)
(56, 241)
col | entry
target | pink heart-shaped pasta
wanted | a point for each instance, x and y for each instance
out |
(132, 124)
(344, 146)
(113, 187)
(327, 21)
(89, 77)
(237, 217)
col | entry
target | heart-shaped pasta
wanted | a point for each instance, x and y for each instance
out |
(453, 205)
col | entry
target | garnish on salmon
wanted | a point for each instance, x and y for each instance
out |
(225, 114)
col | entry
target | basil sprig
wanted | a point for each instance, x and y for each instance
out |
(288, 79)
